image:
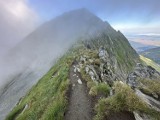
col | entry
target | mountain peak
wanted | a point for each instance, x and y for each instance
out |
(80, 14)
(80, 10)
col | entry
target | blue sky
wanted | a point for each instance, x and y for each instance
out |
(130, 16)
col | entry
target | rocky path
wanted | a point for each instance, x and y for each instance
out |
(79, 102)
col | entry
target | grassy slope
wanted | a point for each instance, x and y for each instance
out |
(153, 54)
(150, 62)
(124, 99)
(150, 87)
(47, 99)
(117, 45)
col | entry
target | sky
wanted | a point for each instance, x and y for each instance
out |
(126, 15)
(21, 17)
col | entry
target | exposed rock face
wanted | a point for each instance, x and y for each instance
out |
(103, 55)
(103, 71)
(106, 66)
(141, 72)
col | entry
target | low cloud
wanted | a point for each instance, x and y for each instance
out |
(17, 20)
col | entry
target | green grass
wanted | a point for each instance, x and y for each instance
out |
(47, 99)
(150, 62)
(151, 86)
(100, 88)
(124, 99)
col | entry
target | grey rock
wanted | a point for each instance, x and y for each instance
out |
(79, 81)
(103, 54)
(82, 59)
(90, 60)
(87, 69)
(26, 107)
(92, 75)
(76, 68)
(92, 72)
(142, 72)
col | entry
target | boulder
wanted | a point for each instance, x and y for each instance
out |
(142, 72)
(82, 59)
(87, 69)
(79, 81)
(92, 72)
(92, 75)
(103, 55)
(76, 68)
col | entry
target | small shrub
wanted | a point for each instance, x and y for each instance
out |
(91, 84)
(93, 91)
(100, 108)
(152, 86)
(100, 88)
(97, 62)
(103, 88)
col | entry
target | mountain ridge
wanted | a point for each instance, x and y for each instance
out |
(40, 49)
(104, 59)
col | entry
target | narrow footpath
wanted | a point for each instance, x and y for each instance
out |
(79, 107)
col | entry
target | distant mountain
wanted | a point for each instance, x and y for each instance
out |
(139, 47)
(153, 54)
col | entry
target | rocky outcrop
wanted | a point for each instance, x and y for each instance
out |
(106, 66)
(141, 72)
(99, 69)
(103, 54)
(92, 72)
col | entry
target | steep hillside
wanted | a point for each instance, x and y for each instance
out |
(35, 55)
(150, 62)
(61, 95)
(100, 76)
(153, 54)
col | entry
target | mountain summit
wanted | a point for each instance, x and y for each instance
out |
(98, 69)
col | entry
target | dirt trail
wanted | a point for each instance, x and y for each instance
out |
(79, 107)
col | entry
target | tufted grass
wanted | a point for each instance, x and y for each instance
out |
(124, 99)
(151, 86)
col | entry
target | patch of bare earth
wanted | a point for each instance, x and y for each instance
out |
(121, 116)
(80, 105)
